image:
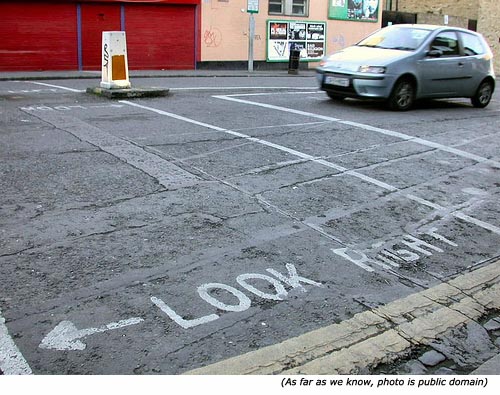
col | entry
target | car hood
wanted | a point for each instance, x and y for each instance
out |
(350, 58)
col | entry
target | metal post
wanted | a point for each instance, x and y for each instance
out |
(251, 35)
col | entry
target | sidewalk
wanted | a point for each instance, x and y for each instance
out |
(59, 75)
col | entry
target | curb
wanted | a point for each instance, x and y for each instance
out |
(377, 336)
(490, 367)
(64, 75)
(128, 92)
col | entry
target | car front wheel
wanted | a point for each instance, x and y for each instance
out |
(483, 95)
(402, 96)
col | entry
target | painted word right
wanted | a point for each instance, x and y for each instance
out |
(391, 258)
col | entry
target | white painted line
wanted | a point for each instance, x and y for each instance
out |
(274, 93)
(283, 125)
(57, 86)
(278, 108)
(323, 162)
(178, 319)
(456, 214)
(424, 202)
(384, 333)
(279, 147)
(11, 359)
(66, 336)
(172, 115)
(386, 132)
(232, 88)
(41, 90)
(481, 224)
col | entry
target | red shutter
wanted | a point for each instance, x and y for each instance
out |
(160, 36)
(38, 36)
(97, 18)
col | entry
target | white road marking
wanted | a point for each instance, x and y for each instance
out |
(178, 319)
(274, 93)
(229, 88)
(292, 279)
(282, 148)
(66, 336)
(68, 107)
(475, 221)
(460, 215)
(33, 90)
(57, 86)
(323, 162)
(198, 88)
(283, 125)
(363, 126)
(11, 359)
(424, 202)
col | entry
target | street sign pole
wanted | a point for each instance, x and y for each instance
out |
(251, 35)
(252, 8)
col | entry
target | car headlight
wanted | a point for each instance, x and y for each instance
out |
(372, 69)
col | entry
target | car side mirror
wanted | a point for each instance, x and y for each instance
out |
(435, 53)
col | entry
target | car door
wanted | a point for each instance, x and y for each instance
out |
(442, 76)
(475, 63)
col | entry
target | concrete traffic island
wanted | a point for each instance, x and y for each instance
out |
(115, 82)
(124, 93)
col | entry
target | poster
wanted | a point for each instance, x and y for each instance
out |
(354, 10)
(306, 37)
(278, 31)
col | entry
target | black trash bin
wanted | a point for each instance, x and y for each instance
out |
(294, 61)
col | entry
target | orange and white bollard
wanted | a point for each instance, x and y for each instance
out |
(114, 61)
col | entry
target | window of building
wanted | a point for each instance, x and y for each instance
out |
(289, 7)
(276, 6)
(472, 25)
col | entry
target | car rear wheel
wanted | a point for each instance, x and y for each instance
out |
(483, 95)
(402, 96)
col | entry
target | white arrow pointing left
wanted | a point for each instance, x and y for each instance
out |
(66, 336)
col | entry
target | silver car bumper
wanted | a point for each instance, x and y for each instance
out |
(374, 86)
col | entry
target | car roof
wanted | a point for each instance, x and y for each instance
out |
(432, 27)
(419, 25)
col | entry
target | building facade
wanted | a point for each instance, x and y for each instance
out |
(67, 34)
(315, 27)
(191, 34)
(179, 34)
(479, 15)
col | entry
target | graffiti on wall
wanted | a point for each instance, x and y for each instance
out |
(212, 37)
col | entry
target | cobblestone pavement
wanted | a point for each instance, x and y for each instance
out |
(461, 351)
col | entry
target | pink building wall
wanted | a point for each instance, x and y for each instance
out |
(224, 29)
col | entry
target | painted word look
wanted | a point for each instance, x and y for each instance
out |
(278, 282)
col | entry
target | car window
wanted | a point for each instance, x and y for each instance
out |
(447, 43)
(406, 39)
(472, 44)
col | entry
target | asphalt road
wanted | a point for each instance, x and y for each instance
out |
(156, 236)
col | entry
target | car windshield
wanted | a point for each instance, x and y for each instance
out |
(400, 38)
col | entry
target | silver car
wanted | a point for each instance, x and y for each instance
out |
(403, 63)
